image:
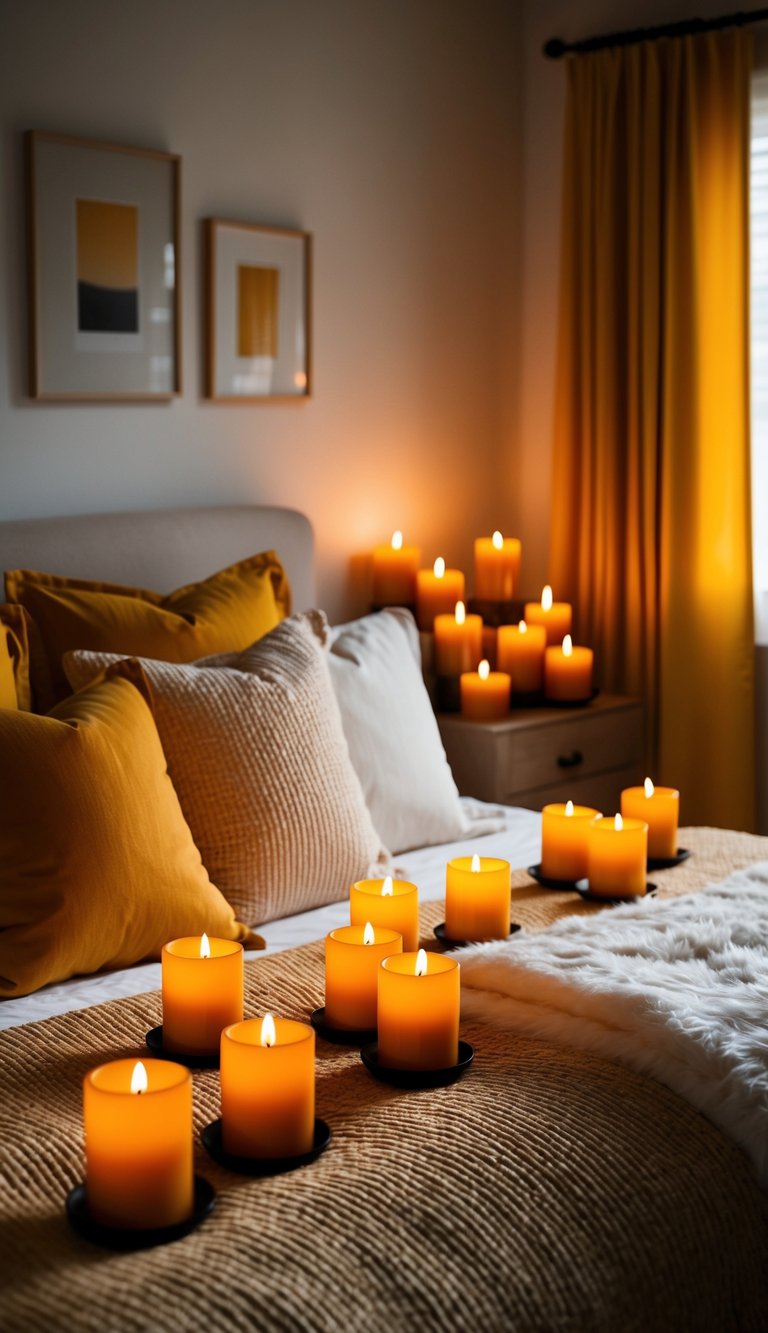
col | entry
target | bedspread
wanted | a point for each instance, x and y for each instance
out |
(548, 1189)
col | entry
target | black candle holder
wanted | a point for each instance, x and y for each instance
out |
(137, 1238)
(572, 703)
(668, 862)
(582, 888)
(497, 613)
(154, 1042)
(547, 882)
(447, 694)
(263, 1166)
(440, 934)
(340, 1036)
(417, 1078)
(526, 698)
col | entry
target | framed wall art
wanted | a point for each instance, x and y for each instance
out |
(103, 237)
(258, 313)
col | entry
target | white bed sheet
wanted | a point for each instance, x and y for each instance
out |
(518, 841)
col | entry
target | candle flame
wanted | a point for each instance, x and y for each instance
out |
(461, 613)
(569, 808)
(421, 963)
(618, 823)
(368, 935)
(438, 569)
(648, 785)
(386, 889)
(268, 1034)
(498, 541)
(205, 946)
(567, 646)
(475, 866)
(484, 670)
(546, 598)
(523, 628)
(139, 1081)
(397, 540)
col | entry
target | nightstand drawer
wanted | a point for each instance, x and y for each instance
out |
(541, 752)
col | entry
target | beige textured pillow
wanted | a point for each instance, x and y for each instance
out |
(257, 754)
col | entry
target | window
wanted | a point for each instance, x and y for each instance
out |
(759, 347)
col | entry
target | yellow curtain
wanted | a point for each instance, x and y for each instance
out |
(651, 501)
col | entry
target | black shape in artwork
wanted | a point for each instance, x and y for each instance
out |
(107, 309)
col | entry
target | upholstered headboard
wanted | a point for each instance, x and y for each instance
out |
(163, 549)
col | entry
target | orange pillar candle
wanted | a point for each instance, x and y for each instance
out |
(564, 830)
(352, 958)
(268, 1087)
(568, 672)
(437, 592)
(520, 651)
(659, 807)
(477, 902)
(485, 693)
(458, 642)
(418, 1025)
(202, 993)
(390, 903)
(137, 1117)
(394, 573)
(497, 562)
(556, 617)
(617, 851)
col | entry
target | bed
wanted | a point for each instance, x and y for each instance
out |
(551, 1187)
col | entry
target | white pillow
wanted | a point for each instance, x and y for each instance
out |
(392, 732)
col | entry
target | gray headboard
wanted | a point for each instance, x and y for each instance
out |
(163, 549)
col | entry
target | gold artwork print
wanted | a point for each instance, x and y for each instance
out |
(107, 267)
(257, 298)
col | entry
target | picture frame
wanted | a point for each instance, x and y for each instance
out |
(104, 263)
(258, 313)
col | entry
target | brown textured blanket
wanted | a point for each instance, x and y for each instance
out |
(548, 1189)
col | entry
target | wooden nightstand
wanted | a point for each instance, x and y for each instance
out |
(538, 755)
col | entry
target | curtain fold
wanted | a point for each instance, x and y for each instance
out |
(651, 528)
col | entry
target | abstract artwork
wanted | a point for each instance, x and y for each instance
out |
(103, 224)
(107, 267)
(258, 313)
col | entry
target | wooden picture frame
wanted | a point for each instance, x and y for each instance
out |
(104, 264)
(258, 316)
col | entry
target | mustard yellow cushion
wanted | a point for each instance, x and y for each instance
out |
(97, 864)
(224, 613)
(14, 658)
(8, 696)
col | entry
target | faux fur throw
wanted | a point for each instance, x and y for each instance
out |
(675, 988)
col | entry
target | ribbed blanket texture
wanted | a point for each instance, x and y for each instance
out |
(549, 1189)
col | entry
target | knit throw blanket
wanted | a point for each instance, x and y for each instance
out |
(548, 1189)
(678, 989)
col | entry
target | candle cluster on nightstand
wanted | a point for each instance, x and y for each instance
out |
(494, 652)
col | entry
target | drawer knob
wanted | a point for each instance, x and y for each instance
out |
(571, 760)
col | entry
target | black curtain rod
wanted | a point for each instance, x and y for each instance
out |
(555, 48)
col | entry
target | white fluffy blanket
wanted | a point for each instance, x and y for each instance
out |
(676, 988)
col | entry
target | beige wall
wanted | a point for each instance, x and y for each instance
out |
(388, 128)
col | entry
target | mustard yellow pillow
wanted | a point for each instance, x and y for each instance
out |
(14, 658)
(223, 613)
(97, 864)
